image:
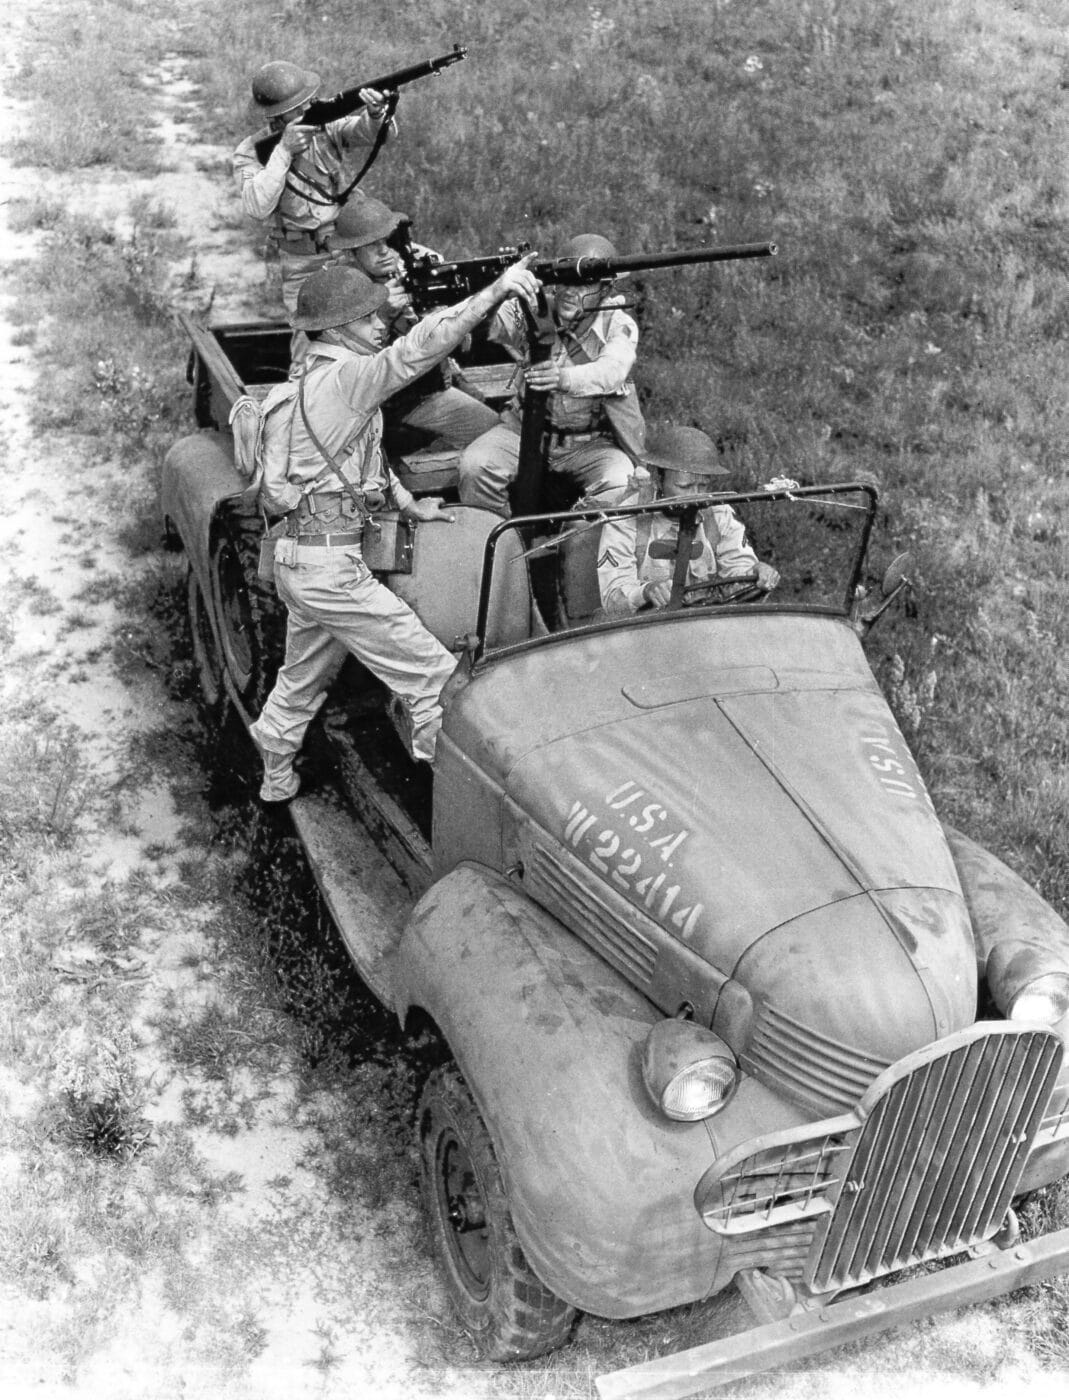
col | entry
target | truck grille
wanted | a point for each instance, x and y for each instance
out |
(809, 1067)
(938, 1155)
(925, 1165)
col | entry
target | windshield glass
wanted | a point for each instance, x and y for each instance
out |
(795, 547)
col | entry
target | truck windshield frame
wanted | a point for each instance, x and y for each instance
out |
(849, 509)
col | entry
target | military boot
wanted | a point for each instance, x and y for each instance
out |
(280, 782)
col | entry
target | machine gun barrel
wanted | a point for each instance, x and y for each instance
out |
(432, 284)
(576, 271)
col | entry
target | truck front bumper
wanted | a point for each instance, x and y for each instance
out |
(807, 1333)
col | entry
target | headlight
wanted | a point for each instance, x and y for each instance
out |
(1029, 982)
(689, 1072)
(1045, 1000)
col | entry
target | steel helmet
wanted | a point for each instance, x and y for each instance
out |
(334, 296)
(683, 450)
(363, 221)
(280, 87)
(588, 245)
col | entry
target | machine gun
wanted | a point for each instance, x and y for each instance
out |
(431, 282)
(348, 101)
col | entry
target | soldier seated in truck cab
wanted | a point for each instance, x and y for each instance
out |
(636, 559)
(330, 481)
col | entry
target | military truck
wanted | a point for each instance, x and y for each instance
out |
(723, 1001)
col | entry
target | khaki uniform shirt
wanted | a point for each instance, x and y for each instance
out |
(343, 392)
(608, 342)
(299, 194)
(719, 550)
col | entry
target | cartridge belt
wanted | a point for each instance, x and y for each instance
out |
(569, 437)
(343, 539)
(304, 243)
(316, 501)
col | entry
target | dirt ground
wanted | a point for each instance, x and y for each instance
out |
(62, 524)
(288, 1251)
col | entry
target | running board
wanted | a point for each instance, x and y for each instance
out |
(368, 901)
(808, 1333)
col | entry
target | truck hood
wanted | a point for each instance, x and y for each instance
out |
(735, 822)
(755, 808)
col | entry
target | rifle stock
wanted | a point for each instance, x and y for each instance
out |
(348, 101)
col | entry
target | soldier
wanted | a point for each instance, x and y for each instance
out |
(636, 559)
(595, 429)
(332, 477)
(361, 238)
(307, 177)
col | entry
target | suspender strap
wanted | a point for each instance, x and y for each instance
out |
(332, 462)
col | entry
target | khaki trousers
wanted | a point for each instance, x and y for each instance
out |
(598, 468)
(336, 606)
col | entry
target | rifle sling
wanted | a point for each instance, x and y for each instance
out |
(392, 99)
(688, 528)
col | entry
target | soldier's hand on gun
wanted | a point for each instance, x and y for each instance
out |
(374, 102)
(296, 138)
(429, 508)
(397, 298)
(657, 593)
(543, 376)
(517, 281)
(767, 577)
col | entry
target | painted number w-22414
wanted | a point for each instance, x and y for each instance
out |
(623, 864)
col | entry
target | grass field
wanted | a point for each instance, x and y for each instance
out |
(907, 158)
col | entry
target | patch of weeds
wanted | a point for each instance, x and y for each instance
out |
(222, 1038)
(112, 919)
(44, 784)
(25, 335)
(40, 599)
(30, 215)
(149, 213)
(328, 1357)
(102, 588)
(99, 1094)
(76, 621)
(251, 1332)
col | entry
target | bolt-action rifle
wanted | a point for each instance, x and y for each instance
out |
(431, 283)
(348, 101)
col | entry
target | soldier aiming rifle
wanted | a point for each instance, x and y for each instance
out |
(295, 175)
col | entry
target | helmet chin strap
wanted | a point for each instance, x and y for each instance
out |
(587, 302)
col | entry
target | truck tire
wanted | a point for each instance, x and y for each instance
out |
(508, 1310)
(207, 662)
(251, 625)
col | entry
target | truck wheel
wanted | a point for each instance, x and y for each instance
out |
(206, 659)
(508, 1310)
(251, 628)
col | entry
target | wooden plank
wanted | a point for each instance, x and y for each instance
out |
(809, 1333)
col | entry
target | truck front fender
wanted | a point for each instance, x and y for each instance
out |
(549, 1039)
(198, 473)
